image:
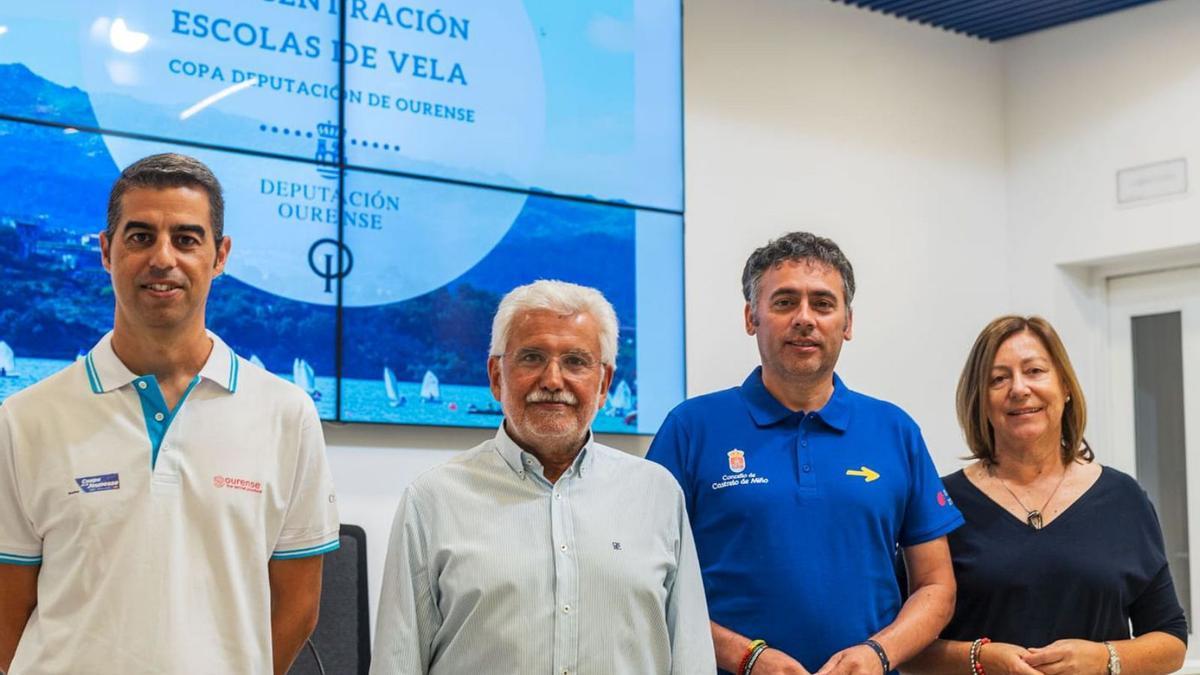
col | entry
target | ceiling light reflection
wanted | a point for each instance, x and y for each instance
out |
(205, 102)
(125, 39)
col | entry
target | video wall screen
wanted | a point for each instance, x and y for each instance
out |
(379, 206)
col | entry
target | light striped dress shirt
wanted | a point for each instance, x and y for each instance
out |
(493, 569)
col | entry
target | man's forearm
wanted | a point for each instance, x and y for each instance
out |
(295, 604)
(17, 603)
(921, 619)
(730, 647)
(12, 626)
(290, 627)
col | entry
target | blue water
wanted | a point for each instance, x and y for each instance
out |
(363, 400)
(28, 372)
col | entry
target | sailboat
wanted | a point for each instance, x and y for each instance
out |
(431, 391)
(621, 400)
(303, 376)
(395, 400)
(8, 361)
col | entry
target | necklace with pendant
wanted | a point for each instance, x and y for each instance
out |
(1033, 517)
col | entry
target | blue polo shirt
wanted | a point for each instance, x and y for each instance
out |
(797, 515)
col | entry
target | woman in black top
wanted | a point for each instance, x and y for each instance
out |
(1058, 555)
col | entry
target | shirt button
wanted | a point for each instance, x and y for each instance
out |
(141, 384)
(804, 443)
(158, 417)
(563, 548)
(806, 468)
(566, 608)
(558, 495)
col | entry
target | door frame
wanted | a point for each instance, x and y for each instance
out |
(1156, 292)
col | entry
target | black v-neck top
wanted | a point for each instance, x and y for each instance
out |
(1088, 574)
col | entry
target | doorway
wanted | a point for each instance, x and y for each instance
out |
(1154, 340)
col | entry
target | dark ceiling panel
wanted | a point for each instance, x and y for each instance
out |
(994, 20)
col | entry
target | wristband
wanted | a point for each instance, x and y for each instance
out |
(753, 648)
(883, 657)
(754, 658)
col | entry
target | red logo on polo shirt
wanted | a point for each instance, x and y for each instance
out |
(237, 484)
(943, 498)
(737, 460)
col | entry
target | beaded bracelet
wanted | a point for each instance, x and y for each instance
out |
(976, 647)
(754, 658)
(753, 648)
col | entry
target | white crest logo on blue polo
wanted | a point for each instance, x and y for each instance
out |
(107, 481)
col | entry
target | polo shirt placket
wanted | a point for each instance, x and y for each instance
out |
(162, 457)
(806, 480)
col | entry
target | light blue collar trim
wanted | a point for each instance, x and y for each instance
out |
(93, 378)
(222, 366)
(106, 372)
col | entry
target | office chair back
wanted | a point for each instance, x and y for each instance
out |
(342, 640)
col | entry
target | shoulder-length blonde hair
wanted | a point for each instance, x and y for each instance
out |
(971, 397)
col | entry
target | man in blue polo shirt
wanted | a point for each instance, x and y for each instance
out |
(800, 490)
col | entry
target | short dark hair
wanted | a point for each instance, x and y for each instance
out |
(797, 247)
(971, 397)
(168, 170)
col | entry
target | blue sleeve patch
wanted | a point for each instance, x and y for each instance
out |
(307, 552)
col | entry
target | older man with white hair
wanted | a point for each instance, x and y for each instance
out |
(542, 551)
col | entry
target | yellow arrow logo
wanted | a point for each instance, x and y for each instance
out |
(863, 472)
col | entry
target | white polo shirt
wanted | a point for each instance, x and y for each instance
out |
(153, 528)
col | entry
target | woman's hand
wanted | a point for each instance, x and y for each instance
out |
(1069, 657)
(1001, 658)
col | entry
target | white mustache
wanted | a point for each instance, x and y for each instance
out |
(542, 396)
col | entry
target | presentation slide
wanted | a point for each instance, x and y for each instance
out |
(398, 365)
(485, 145)
(577, 98)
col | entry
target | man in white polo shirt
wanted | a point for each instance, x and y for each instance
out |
(163, 503)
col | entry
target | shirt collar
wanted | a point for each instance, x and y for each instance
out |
(515, 457)
(766, 410)
(106, 372)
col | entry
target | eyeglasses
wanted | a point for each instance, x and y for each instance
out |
(574, 364)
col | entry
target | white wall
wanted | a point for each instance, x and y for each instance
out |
(1083, 101)
(884, 135)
